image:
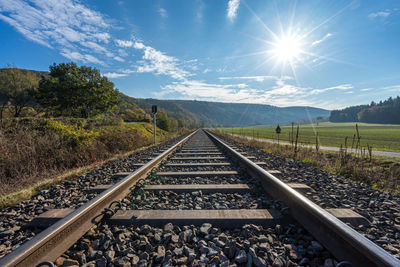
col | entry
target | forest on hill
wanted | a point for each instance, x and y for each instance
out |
(205, 113)
(174, 114)
(387, 112)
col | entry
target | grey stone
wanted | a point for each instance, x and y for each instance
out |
(259, 262)
(241, 257)
(205, 228)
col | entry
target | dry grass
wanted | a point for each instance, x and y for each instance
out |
(32, 151)
(379, 174)
(26, 193)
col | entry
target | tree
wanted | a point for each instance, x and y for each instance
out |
(76, 91)
(16, 89)
(162, 120)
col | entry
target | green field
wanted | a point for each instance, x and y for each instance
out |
(380, 136)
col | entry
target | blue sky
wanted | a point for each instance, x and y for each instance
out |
(328, 54)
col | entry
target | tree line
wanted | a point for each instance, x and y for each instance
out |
(68, 90)
(387, 112)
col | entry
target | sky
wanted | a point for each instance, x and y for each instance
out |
(328, 53)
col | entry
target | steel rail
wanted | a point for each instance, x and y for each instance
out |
(54, 240)
(342, 241)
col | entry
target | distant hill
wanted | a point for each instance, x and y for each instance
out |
(387, 112)
(204, 113)
(38, 74)
(229, 114)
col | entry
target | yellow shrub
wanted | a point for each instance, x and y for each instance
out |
(78, 135)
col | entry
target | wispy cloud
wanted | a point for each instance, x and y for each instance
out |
(337, 87)
(382, 14)
(119, 74)
(114, 75)
(163, 12)
(156, 62)
(257, 78)
(233, 6)
(123, 43)
(392, 88)
(199, 12)
(69, 26)
(322, 39)
(76, 56)
(366, 89)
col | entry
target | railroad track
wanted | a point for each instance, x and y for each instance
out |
(200, 202)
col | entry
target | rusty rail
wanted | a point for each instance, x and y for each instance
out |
(53, 241)
(342, 241)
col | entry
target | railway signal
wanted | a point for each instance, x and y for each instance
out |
(154, 111)
(278, 131)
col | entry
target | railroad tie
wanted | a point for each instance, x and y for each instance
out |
(301, 188)
(349, 216)
(198, 173)
(197, 153)
(187, 217)
(204, 188)
(218, 218)
(98, 188)
(198, 158)
(48, 218)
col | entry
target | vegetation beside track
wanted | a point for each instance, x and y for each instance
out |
(35, 149)
(378, 173)
(379, 136)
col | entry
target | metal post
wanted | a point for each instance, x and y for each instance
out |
(154, 120)
(154, 111)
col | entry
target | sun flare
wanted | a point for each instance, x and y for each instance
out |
(287, 49)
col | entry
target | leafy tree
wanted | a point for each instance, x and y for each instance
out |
(76, 91)
(162, 120)
(16, 88)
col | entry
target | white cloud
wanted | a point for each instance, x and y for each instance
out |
(120, 59)
(154, 61)
(87, 58)
(366, 89)
(382, 14)
(124, 43)
(163, 12)
(68, 26)
(256, 78)
(322, 39)
(119, 74)
(115, 75)
(338, 87)
(233, 6)
(392, 88)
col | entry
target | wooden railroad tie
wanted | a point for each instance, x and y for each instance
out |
(218, 218)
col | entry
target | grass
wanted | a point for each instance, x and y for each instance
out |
(380, 136)
(381, 174)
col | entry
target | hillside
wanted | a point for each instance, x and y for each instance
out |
(230, 114)
(204, 113)
(387, 112)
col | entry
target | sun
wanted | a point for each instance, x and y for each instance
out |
(287, 48)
